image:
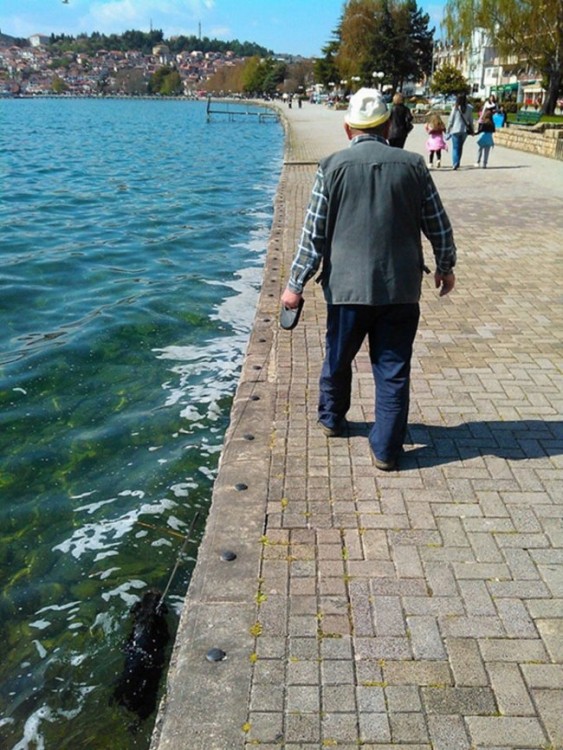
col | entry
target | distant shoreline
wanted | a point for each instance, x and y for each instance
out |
(105, 96)
(152, 97)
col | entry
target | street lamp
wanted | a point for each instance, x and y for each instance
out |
(378, 75)
(356, 80)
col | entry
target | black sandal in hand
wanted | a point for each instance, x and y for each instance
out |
(289, 316)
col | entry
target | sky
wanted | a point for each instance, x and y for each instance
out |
(297, 27)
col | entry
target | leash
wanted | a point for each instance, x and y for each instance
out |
(177, 565)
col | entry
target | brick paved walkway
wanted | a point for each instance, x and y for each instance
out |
(417, 610)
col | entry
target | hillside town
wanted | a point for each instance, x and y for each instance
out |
(35, 70)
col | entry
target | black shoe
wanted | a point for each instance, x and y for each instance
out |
(385, 465)
(335, 431)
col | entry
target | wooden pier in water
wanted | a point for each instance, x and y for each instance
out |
(233, 114)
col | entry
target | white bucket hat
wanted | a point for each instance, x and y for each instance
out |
(367, 109)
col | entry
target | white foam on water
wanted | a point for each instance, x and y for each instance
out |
(207, 472)
(41, 650)
(162, 543)
(84, 494)
(176, 523)
(103, 555)
(103, 574)
(239, 310)
(176, 603)
(104, 537)
(132, 493)
(208, 372)
(58, 607)
(93, 507)
(191, 411)
(123, 592)
(32, 738)
(182, 489)
(106, 622)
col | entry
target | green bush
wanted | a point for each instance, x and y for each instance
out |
(510, 106)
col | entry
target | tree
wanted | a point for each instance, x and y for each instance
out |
(262, 76)
(273, 75)
(60, 62)
(358, 31)
(172, 84)
(58, 86)
(531, 30)
(298, 76)
(144, 42)
(227, 79)
(449, 80)
(413, 52)
(325, 68)
(391, 36)
(165, 81)
(131, 81)
(252, 76)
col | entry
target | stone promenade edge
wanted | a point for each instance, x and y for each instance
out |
(417, 610)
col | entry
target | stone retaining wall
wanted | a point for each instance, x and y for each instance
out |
(537, 140)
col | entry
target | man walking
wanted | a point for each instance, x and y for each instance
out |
(368, 207)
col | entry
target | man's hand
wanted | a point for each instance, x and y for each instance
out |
(445, 282)
(290, 299)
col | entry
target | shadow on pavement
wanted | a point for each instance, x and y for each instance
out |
(511, 440)
(497, 166)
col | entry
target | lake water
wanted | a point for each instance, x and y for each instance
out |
(132, 240)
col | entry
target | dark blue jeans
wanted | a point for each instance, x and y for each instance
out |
(458, 139)
(390, 330)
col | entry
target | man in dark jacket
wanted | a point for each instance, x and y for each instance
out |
(400, 122)
(367, 210)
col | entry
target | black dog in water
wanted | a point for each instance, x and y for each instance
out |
(144, 656)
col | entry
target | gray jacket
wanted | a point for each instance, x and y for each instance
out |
(373, 227)
(458, 121)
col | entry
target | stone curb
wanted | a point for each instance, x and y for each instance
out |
(421, 609)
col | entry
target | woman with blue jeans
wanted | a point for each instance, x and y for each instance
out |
(460, 125)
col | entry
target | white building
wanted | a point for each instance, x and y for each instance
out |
(38, 40)
(486, 72)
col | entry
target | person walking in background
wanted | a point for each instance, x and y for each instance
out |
(490, 105)
(436, 143)
(499, 118)
(485, 140)
(401, 122)
(460, 125)
(368, 207)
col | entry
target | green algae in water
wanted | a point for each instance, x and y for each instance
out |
(125, 324)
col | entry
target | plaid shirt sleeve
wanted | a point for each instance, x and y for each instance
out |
(437, 228)
(311, 246)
